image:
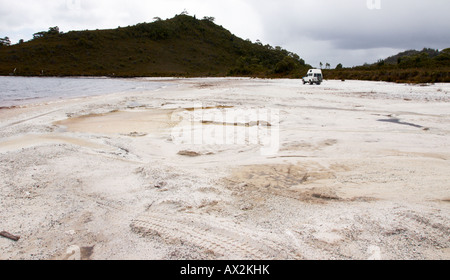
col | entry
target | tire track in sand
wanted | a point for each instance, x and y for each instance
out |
(221, 240)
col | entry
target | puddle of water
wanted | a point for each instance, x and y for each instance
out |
(149, 121)
(122, 122)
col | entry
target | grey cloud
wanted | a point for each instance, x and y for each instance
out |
(319, 28)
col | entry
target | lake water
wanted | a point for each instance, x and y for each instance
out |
(17, 91)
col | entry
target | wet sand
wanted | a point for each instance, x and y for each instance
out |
(359, 170)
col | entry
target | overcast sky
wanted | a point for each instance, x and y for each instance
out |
(350, 32)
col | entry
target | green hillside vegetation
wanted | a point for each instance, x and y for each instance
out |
(426, 66)
(181, 46)
(395, 59)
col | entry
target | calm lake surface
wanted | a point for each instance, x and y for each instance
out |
(17, 91)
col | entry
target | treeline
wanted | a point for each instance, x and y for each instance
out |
(181, 46)
(267, 61)
(426, 66)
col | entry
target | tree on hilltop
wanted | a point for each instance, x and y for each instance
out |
(211, 19)
(5, 41)
(51, 31)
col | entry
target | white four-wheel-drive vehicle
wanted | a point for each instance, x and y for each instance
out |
(314, 76)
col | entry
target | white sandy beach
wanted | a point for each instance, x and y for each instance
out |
(345, 170)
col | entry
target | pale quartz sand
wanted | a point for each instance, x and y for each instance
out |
(345, 170)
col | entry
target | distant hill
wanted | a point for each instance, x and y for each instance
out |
(181, 46)
(426, 66)
(395, 59)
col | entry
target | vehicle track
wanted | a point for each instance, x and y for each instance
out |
(224, 241)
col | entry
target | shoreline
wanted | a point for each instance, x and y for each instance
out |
(180, 77)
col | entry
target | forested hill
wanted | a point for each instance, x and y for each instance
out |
(181, 46)
(426, 66)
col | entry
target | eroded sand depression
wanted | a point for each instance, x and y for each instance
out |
(122, 122)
